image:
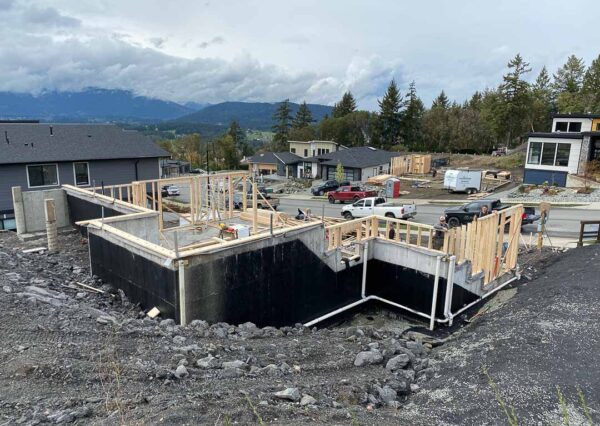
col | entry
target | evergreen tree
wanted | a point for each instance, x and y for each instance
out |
(390, 116)
(240, 141)
(514, 91)
(411, 126)
(303, 117)
(591, 87)
(568, 82)
(281, 128)
(569, 77)
(346, 106)
(441, 101)
(542, 105)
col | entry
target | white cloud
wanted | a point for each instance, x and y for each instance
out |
(255, 51)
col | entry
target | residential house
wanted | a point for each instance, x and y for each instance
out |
(268, 163)
(38, 156)
(174, 168)
(312, 148)
(359, 163)
(560, 156)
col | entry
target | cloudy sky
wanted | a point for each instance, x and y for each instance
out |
(268, 50)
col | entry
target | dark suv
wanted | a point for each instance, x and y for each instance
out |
(462, 215)
(328, 185)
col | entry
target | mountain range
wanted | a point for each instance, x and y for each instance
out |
(250, 115)
(101, 105)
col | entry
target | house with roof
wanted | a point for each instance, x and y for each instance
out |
(38, 156)
(359, 163)
(307, 149)
(269, 163)
(559, 157)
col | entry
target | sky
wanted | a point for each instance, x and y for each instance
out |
(210, 51)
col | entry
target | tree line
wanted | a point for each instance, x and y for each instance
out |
(489, 119)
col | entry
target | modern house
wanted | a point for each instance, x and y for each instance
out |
(559, 157)
(174, 168)
(359, 163)
(268, 163)
(312, 148)
(38, 156)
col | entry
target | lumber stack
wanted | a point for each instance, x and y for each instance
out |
(411, 164)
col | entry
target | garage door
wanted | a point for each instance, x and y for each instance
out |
(348, 174)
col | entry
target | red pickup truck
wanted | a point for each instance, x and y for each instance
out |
(349, 194)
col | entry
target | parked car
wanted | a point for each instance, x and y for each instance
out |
(461, 215)
(238, 203)
(379, 206)
(529, 216)
(169, 191)
(349, 194)
(329, 185)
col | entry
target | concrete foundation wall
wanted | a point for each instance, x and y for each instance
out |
(147, 279)
(33, 209)
(276, 281)
(143, 227)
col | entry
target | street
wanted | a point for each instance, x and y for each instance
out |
(562, 222)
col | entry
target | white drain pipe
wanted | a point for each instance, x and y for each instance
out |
(363, 292)
(436, 283)
(365, 298)
(449, 289)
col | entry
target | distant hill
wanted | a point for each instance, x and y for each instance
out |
(89, 105)
(250, 115)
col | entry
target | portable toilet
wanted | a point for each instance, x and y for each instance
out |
(392, 188)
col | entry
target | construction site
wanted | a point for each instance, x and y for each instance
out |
(144, 311)
(209, 261)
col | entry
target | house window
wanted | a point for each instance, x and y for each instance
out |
(575, 126)
(535, 150)
(561, 126)
(293, 150)
(548, 153)
(314, 152)
(306, 153)
(562, 154)
(598, 127)
(82, 174)
(42, 175)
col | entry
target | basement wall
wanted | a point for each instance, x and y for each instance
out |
(149, 280)
(276, 281)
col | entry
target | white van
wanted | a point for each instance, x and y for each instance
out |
(468, 181)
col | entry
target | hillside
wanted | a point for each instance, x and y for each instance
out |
(88, 105)
(252, 115)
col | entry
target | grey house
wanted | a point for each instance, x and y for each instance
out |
(38, 156)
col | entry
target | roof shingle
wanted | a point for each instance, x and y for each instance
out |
(35, 143)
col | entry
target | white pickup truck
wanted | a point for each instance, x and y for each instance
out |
(378, 205)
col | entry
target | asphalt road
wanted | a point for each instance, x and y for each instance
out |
(562, 222)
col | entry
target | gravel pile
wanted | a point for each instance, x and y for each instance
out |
(71, 354)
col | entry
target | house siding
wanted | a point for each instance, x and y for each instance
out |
(551, 177)
(109, 172)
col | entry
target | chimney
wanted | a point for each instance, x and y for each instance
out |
(51, 131)
(6, 137)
